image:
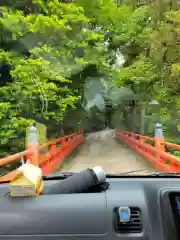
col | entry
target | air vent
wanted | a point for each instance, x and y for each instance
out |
(133, 226)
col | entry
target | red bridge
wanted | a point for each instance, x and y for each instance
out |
(117, 151)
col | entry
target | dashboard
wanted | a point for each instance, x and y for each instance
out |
(154, 205)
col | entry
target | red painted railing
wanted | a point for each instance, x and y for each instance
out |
(157, 155)
(50, 154)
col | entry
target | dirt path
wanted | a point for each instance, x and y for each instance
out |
(102, 149)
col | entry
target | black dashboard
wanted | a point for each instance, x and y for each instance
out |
(154, 205)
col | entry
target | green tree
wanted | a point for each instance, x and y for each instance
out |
(54, 45)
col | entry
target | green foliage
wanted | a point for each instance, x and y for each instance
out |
(49, 46)
(55, 44)
(149, 39)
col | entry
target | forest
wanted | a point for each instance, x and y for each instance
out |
(50, 50)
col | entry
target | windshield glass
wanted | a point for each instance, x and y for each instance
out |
(90, 83)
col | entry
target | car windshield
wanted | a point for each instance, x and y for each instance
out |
(90, 83)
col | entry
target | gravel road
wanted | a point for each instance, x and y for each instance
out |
(102, 149)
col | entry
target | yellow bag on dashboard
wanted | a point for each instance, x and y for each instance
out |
(27, 182)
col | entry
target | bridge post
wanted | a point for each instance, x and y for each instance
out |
(32, 146)
(159, 137)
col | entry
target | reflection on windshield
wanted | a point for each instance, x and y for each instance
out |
(107, 68)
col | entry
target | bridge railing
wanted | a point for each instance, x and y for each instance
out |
(152, 149)
(50, 154)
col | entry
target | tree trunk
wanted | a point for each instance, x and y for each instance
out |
(143, 114)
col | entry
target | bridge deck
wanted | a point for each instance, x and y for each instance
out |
(101, 148)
